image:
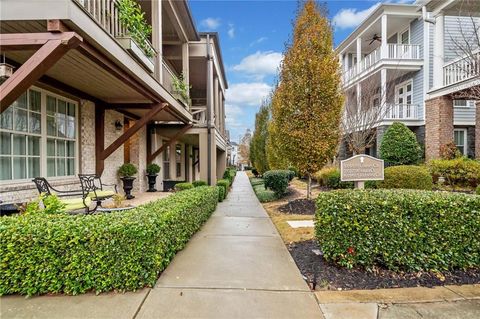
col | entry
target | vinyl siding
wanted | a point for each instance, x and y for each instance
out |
(416, 37)
(459, 31)
(463, 115)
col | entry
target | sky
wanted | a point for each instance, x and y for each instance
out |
(253, 34)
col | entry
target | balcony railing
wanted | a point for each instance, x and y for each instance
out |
(168, 76)
(394, 51)
(464, 68)
(402, 112)
(107, 14)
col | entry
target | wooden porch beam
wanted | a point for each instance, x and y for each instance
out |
(30, 41)
(151, 157)
(115, 106)
(35, 67)
(99, 139)
(131, 131)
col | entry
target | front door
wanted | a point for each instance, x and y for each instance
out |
(403, 101)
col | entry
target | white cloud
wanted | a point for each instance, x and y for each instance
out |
(351, 17)
(257, 41)
(247, 94)
(231, 31)
(210, 23)
(260, 64)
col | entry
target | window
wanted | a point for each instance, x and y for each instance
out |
(166, 162)
(463, 103)
(405, 37)
(460, 139)
(29, 149)
(178, 160)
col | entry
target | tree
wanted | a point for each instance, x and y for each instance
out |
(399, 145)
(307, 104)
(244, 149)
(258, 152)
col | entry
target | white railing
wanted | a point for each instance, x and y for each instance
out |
(402, 112)
(394, 51)
(404, 51)
(199, 115)
(462, 69)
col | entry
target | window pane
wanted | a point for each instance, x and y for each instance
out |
(70, 149)
(6, 119)
(34, 123)
(61, 148)
(34, 145)
(19, 144)
(62, 107)
(70, 129)
(20, 117)
(166, 170)
(60, 167)
(51, 105)
(51, 127)
(50, 167)
(60, 122)
(459, 137)
(50, 147)
(19, 168)
(21, 102)
(70, 167)
(5, 168)
(5, 144)
(71, 110)
(35, 101)
(179, 170)
(409, 88)
(33, 167)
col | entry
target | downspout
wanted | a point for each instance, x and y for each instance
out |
(209, 112)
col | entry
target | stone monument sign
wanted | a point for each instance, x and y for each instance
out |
(360, 168)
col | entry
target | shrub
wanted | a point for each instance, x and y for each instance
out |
(221, 193)
(291, 175)
(277, 181)
(255, 172)
(229, 175)
(199, 183)
(117, 251)
(225, 184)
(330, 177)
(399, 145)
(399, 229)
(183, 186)
(457, 172)
(406, 176)
(153, 169)
(478, 190)
(294, 170)
(127, 170)
(264, 195)
(449, 151)
(43, 204)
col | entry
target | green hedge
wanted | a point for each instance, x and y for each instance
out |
(183, 186)
(330, 177)
(478, 190)
(116, 251)
(225, 184)
(277, 181)
(199, 183)
(230, 174)
(399, 229)
(456, 172)
(264, 195)
(408, 177)
(399, 145)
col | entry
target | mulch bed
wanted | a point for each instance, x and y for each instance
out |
(328, 275)
(299, 206)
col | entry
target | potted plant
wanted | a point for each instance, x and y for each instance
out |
(152, 173)
(126, 172)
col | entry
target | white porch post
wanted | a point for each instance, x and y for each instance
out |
(383, 89)
(157, 38)
(384, 46)
(358, 88)
(185, 63)
(438, 51)
(359, 54)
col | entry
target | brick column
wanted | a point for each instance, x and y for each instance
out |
(477, 131)
(438, 125)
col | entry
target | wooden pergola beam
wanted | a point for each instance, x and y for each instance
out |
(31, 41)
(151, 157)
(42, 60)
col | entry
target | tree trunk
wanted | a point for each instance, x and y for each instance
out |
(309, 187)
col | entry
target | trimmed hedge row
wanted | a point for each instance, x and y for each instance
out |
(263, 194)
(183, 186)
(224, 184)
(78, 253)
(407, 177)
(456, 172)
(277, 180)
(399, 229)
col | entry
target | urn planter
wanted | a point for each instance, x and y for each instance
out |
(128, 186)
(152, 180)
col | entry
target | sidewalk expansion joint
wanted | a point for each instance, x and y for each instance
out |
(235, 288)
(141, 304)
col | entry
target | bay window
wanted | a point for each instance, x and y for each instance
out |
(38, 137)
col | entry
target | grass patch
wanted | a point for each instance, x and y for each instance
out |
(263, 195)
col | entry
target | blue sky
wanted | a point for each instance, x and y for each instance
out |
(253, 34)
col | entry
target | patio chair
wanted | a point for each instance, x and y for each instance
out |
(71, 204)
(92, 187)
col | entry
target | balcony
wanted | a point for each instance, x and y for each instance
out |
(395, 53)
(169, 78)
(462, 69)
(107, 14)
(402, 112)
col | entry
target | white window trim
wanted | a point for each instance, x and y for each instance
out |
(470, 104)
(465, 139)
(403, 84)
(43, 138)
(399, 35)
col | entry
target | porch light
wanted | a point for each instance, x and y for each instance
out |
(6, 71)
(118, 125)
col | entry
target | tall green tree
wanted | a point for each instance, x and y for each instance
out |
(258, 152)
(307, 104)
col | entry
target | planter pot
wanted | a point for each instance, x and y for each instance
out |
(127, 186)
(131, 46)
(152, 180)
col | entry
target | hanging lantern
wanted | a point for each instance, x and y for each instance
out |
(6, 71)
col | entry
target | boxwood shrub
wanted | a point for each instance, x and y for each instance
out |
(225, 184)
(408, 177)
(116, 251)
(230, 174)
(330, 177)
(183, 186)
(407, 230)
(277, 181)
(264, 195)
(199, 183)
(456, 172)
